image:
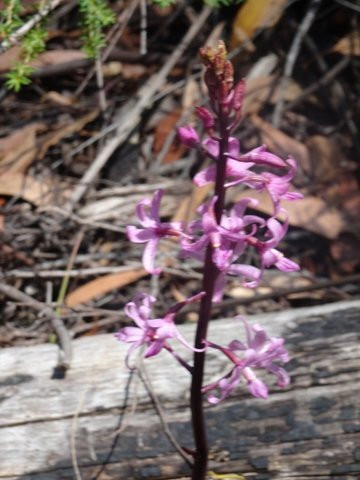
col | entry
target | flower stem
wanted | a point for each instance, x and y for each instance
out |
(211, 273)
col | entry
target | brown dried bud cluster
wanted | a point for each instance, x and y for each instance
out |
(219, 75)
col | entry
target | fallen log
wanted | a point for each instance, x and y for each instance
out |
(99, 422)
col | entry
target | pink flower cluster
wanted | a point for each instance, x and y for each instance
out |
(225, 236)
(259, 353)
(152, 332)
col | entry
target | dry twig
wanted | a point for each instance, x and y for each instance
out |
(291, 58)
(157, 404)
(62, 333)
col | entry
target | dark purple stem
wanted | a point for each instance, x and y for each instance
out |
(210, 275)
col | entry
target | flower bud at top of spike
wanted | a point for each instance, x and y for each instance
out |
(219, 75)
(206, 117)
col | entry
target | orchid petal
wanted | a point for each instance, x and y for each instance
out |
(188, 135)
(139, 235)
(154, 348)
(143, 213)
(155, 205)
(219, 287)
(149, 257)
(258, 388)
(205, 176)
(129, 334)
(233, 147)
(211, 146)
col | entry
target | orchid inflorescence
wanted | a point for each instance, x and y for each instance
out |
(219, 239)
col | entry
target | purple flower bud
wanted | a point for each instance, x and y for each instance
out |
(188, 136)
(206, 117)
(239, 92)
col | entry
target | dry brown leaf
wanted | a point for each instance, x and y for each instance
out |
(162, 130)
(102, 285)
(133, 71)
(348, 45)
(311, 213)
(63, 131)
(54, 57)
(344, 192)
(58, 99)
(129, 71)
(51, 57)
(265, 89)
(255, 15)
(325, 158)
(30, 189)
(187, 208)
(18, 150)
(111, 69)
(9, 58)
(281, 144)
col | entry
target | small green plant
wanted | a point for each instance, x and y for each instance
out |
(95, 16)
(10, 18)
(32, 45)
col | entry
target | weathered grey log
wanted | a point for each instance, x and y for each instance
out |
(311, 430)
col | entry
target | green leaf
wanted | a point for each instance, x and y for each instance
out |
(18, 76)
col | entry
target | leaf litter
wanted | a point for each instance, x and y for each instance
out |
(53, 131)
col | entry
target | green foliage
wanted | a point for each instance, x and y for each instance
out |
(164, 3)
(18, 76)
(96, 15)
(32, 45)
(10, 19)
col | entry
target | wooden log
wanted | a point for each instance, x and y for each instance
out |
(102, 415)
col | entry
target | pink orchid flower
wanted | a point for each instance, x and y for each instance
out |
(154, 229)
(278, 187)
(227, 239)
(152, 332)
(237, 165)
(271, 256)
(234, 168)
(260, 352)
